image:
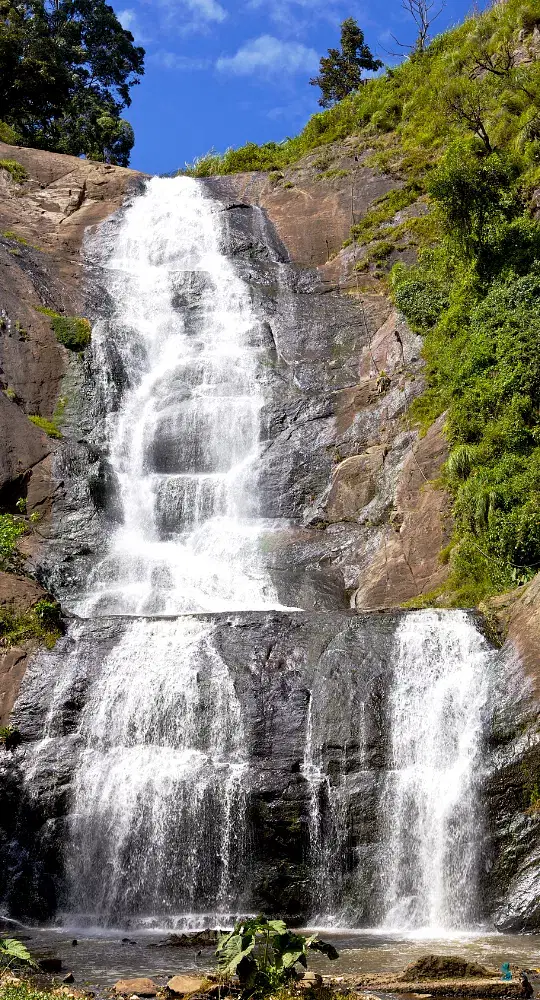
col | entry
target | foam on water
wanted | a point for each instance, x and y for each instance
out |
(183, 443)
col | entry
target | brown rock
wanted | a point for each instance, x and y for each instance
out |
(353, 485)
(19, 592)
(140, 987)
(407, 563)
(313, 218)
(183, 985)
(443, 967)
(23, 444)
(518, 615)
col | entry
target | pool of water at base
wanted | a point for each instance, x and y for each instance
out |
(100, 958)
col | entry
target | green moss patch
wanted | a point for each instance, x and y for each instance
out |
(41, 622)
(17, 172)
(49, 426)
(74, 332)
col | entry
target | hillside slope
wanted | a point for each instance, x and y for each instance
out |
(456, 133)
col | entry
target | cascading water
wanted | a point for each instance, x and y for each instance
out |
(157, 816)
(206, 770)
(157, 823)
(430, 811)
(187, 431)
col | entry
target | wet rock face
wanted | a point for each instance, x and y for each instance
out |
(274, 660)
(338, 472)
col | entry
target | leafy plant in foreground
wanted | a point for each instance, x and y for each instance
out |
(13, 951)
(263, 953)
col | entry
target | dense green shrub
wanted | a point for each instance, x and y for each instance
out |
(482, 347)
(9, 135)
(73, 332)
(11, 529)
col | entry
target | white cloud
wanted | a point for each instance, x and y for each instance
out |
(268, 55)
(297, 15)
(171, 60)
(181, 14)
(129, 20)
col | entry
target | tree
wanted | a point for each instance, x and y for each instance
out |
(478, 201)
(66, 69)
(341, 70)
(423, 16)
(467, 103)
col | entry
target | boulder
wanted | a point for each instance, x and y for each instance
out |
(48, 961)
(140, 987)
(444, 967)
(354, 485)
(183, 985)
(309, 980)
(193, 939)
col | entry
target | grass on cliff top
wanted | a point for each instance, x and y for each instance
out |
(407, 116)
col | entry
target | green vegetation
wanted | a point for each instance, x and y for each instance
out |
(41, 622)
(341, 70)
(476, 299)
(12, 952)
(10, 738)
(264, 954)
(457, 125)
(9, 234)
(66, 69)
(9, 135)
(16, 170)
(73, 332)
(11, 529)
(49, 426)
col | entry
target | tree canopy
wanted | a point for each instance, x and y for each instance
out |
(341, 70)
(66, 69)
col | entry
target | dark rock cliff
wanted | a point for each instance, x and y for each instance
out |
(42, 225)
(342, 467)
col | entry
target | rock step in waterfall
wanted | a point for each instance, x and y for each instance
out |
(322, 766)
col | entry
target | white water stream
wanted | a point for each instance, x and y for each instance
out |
(430, 810)
(157, 824)
(158, 805)
(183, 443)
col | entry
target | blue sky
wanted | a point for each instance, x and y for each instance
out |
(222, 72)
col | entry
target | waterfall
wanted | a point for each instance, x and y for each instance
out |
(214, 760)
(184, 439)
(157, 819)
(157, 822)
(430, 806)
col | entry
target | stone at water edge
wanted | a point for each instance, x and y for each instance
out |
(444, 967)
(310, 979)
(182, 985)
(48, 961)
(140, 987)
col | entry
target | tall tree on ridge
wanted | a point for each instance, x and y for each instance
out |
(66, 69)
(341, 70)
